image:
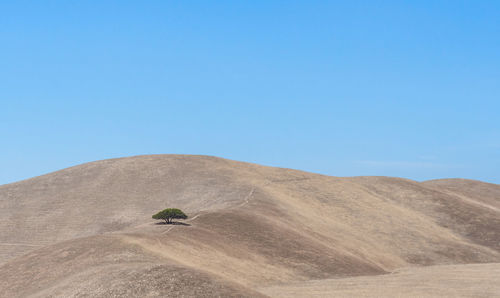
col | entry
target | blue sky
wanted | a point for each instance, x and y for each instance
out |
(344, 88)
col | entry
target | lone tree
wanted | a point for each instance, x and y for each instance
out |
(169, 214)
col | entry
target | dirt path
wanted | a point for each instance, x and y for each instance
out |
(22, 244)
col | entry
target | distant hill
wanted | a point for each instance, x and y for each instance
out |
(87, 230)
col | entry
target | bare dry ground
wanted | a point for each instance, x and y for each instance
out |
(86, 231)
(473, 280)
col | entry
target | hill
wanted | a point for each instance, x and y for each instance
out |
(87, 230)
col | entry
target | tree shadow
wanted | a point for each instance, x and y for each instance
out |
(175, 223)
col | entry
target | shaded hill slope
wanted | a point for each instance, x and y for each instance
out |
(105, 266)
(250, 225)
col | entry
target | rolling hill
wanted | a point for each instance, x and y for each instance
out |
(253, 231)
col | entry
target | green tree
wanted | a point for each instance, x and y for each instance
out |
(169, 214)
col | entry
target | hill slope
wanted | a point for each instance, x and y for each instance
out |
(473, 280)
(250, 226)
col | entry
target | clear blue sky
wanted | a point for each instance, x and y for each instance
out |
(396, 88)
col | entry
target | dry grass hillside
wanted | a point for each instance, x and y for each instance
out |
(253, 230)
(473, 280)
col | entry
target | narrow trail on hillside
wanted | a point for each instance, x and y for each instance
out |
(22, 244)
(188, 220)
(246, 200)
(464, 198)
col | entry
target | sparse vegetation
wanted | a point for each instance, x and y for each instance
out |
(169, 214)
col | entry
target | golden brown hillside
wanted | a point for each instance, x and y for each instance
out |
(87, 230)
